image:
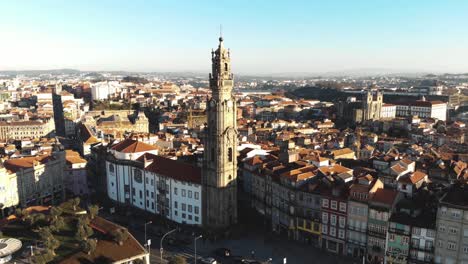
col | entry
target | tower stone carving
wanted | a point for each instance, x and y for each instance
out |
(220, 162)
(372, 105)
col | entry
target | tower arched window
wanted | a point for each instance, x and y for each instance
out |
(225, 66)
(230, 154)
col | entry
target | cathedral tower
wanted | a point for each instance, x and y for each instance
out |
(220, 163)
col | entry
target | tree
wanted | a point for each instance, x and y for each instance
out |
(21, 213)
(55, 212)
(75, 202)
(52, 244)
(80, 234)
(177, 260)
(120, 235)
(58, 224)
(89, 245)
(93, 211)
(44, 258)
(44, 233)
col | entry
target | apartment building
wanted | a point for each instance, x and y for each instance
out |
(452, 227)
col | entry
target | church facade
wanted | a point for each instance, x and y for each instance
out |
(219, 171)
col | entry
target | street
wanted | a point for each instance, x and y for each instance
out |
(255, 245)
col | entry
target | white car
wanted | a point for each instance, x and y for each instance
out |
(208, 261)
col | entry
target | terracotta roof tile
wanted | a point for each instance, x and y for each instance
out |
(177, 170)
(132, 146)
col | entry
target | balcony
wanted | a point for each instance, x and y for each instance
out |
(375, 233)
(358, 229)
(399, 231)
(423, 248)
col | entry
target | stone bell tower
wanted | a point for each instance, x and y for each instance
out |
(220, 162)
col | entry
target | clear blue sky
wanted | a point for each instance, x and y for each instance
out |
(264, 36)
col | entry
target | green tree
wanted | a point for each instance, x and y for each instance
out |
(93, 211)
(43, 258)
(44, 233)
(120, 235)
(52, 244)
(75, 203)
(22, 214)
(177, 260)
(55, 212)
(89, 245)
(80, 234)
(58, 224)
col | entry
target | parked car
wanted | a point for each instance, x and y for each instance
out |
(223, 252)
(208, 261)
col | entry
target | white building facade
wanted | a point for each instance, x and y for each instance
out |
(156, 184)
(423, 109)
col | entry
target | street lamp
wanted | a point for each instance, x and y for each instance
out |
(195, 241)
(161, 243)
(147, 223)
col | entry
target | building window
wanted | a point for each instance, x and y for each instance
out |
(453, 231)
(189, 208)
(391, 237)
(184, 207)
(111, 168)
(230, 154)
(183, 193)
(334, 205)
(189, 194)
(324, 229)
(175, 204)
(332, 231)
(456, 214)
(196, 209)
(325, 203)
(175, 212)
(465, 249)
(342, 222)
(183, 215)
(324, 218)
(342, 207)
(196, 218)
(441, 228)
(196, 195)
(451, 245)
(175, 190)
(341, 234)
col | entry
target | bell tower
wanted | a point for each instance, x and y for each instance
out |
(220, 161)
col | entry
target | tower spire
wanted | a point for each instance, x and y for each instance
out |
(220, 32)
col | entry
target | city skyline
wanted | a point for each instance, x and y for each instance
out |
(298, 37)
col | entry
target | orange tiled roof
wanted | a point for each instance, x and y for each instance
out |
(132, 146)
(15, 165)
